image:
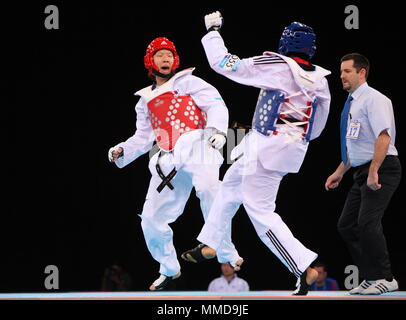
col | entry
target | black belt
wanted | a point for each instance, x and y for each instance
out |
(165, 179)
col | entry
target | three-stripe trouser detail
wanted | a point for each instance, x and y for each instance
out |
(284, 254)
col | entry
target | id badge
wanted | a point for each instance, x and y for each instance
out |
(353, 130)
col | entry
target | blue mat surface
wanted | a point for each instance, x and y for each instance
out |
(199, 295)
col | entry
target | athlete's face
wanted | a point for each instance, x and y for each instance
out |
(164, 60)
(350, 78)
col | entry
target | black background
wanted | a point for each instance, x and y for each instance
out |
(69, 98)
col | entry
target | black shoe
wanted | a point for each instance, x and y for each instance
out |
(196, 255)
(302, 288)
(163, 282)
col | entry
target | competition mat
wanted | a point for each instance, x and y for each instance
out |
(201, 295)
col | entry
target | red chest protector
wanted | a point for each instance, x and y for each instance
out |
(171, 114)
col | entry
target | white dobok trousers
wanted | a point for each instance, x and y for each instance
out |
(161, 209)
(257, 191)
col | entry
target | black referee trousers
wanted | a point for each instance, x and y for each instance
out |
(360, 223)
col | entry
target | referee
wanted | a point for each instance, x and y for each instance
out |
(367, 133)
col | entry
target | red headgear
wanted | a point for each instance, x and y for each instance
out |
(156, 45)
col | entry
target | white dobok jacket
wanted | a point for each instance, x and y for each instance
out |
(273, 71)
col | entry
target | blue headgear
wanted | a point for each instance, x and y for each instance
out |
(298, 37)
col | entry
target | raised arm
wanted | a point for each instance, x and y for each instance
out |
(255, 71)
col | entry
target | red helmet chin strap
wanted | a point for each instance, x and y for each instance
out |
(156, 45)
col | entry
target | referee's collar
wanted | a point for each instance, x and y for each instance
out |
(233, 278)
(359, 91)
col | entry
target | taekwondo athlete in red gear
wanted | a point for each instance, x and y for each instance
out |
(188, 119)
(291, 110)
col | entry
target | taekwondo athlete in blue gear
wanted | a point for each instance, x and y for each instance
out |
(291, 110)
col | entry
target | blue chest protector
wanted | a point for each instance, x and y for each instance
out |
(267, 113)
